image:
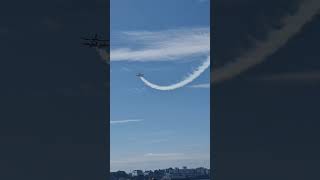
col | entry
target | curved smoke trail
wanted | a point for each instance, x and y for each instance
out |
(276, 39)
(182, 83)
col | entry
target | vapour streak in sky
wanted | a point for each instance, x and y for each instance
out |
(125, 121)
(276, 39)
(165, 45)
(196, 73)
(206, 85)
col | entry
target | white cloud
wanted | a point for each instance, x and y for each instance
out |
(206, 85)
(163, 45)
(125, 121)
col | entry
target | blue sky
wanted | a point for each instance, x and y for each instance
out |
(166, 40)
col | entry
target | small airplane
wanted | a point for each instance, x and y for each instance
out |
(140, 75)
(96, 42)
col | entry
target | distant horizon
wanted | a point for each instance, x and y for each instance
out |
(159, 169)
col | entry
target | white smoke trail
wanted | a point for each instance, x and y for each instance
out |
(276, 39)
(125, 121)
(182, 83)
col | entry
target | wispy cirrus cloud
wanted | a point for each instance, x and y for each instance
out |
(166, 45)
(205, 85)
(126, 121)
(173, 44)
